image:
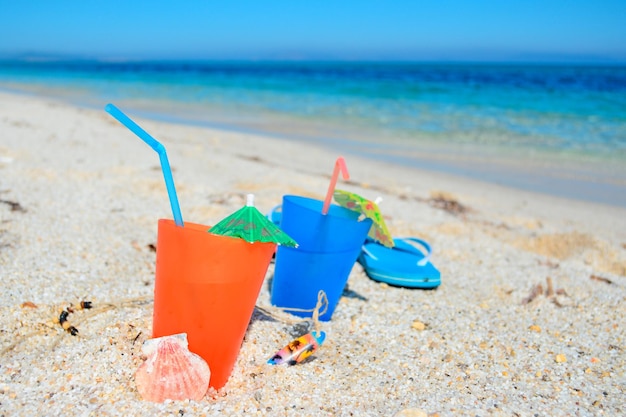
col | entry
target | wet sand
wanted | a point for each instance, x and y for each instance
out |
(528, 319)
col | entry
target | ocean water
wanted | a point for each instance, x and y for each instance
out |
(554, 129)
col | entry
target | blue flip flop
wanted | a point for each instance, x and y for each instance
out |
(275, 214)
(407, 264)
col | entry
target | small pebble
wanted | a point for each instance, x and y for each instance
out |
(411, 412)
(418, 325)
(560, 358)
(29, 304)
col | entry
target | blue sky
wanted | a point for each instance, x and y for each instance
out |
(449, 30)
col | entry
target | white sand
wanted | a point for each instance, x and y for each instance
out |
(81, 196)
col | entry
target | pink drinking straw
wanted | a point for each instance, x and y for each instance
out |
(340, 165)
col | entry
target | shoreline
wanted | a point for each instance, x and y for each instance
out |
(81, 196)
(574, 176)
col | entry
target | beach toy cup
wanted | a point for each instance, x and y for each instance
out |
(207, 285)
(328, 246)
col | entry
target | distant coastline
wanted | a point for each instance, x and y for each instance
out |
(527, 58)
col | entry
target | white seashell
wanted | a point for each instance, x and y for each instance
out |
(171, 371)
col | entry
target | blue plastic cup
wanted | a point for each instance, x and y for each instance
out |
(328, 246)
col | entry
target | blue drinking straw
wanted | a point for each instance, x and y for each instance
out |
(160, 149)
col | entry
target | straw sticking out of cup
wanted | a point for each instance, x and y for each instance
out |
(340, 166)
(160, 149)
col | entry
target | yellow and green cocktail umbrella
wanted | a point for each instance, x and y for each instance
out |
(369, 209)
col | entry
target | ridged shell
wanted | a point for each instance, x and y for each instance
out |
(171, 371)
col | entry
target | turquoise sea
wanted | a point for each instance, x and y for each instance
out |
(549, 128)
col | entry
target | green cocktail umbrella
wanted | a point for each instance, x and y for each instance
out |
(250, 224)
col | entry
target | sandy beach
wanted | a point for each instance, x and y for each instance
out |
(528, 320)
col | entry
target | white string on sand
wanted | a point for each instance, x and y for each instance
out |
(321, 307)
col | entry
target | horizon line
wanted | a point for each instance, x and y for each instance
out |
(52, 59)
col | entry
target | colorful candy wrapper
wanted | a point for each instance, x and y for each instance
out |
(299, 349)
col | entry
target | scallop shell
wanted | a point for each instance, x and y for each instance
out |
(171, 371)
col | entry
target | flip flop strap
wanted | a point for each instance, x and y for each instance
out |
(273, 210)
(421, 242)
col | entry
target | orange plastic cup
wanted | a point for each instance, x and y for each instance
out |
(207, 286)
